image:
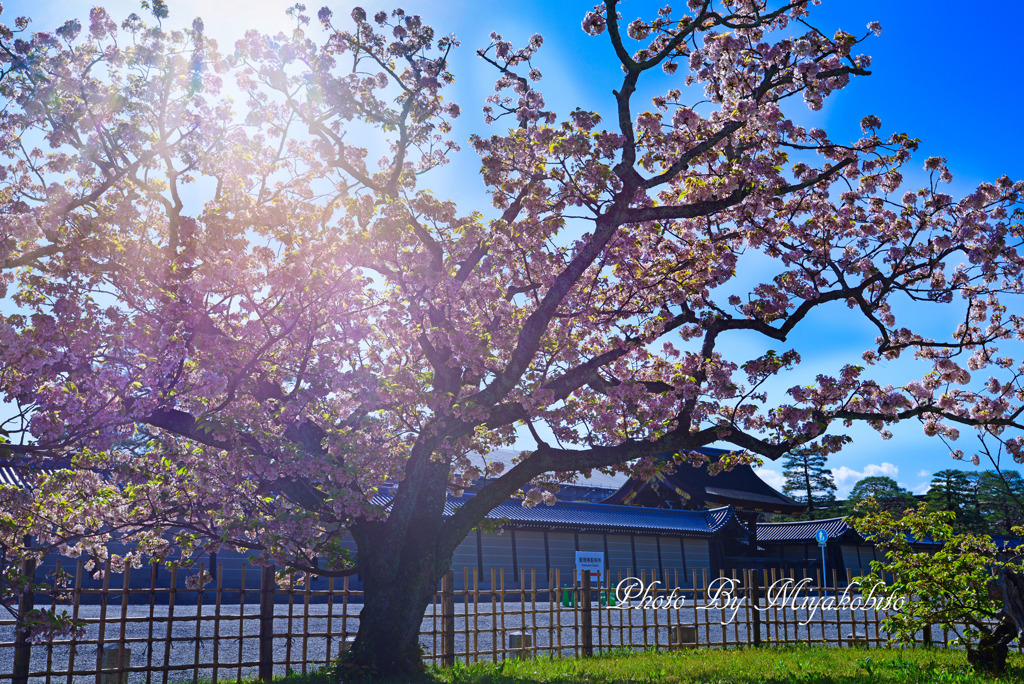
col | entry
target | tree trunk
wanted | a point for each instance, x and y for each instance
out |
(807, 484)
(1011, 588)
(989, 656)
(387, 643)
(402, 560)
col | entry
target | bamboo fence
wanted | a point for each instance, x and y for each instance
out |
(162, 633)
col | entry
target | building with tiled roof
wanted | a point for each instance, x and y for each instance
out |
(694, 487)
(683, 533)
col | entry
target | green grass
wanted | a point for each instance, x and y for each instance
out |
(798, 665)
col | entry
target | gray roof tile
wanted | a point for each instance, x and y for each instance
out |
(598, 516)
(802, 530)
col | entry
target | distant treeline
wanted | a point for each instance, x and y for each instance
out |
(985, 502)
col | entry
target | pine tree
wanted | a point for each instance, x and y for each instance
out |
(889, 495)
(957, 491)
(1001, 501)
(809, 481)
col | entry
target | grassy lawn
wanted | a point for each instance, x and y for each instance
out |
(714, 666)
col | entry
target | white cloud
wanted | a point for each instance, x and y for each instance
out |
(887, 469)
(924, 474)
(847, 477)
(773, 477)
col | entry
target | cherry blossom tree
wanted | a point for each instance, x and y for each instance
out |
(248, 313)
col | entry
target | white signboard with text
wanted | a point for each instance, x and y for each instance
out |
(592, 562)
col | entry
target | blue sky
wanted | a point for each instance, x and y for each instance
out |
(943, 72)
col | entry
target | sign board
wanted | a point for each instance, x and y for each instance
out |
(822, 536)
(592, 562)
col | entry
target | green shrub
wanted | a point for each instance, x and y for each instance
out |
(949, 586)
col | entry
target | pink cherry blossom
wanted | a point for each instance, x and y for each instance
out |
(319, 345)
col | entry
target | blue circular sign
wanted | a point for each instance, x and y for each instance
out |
(821, 536)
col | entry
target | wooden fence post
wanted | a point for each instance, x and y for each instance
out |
(124, 653)
(101, 637)
(448, 619)
(586, 617)
(172, 595)
(22, 647)
(267, 585)
(755, 604)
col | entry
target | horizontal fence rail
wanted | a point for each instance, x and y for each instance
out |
(163, 633)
